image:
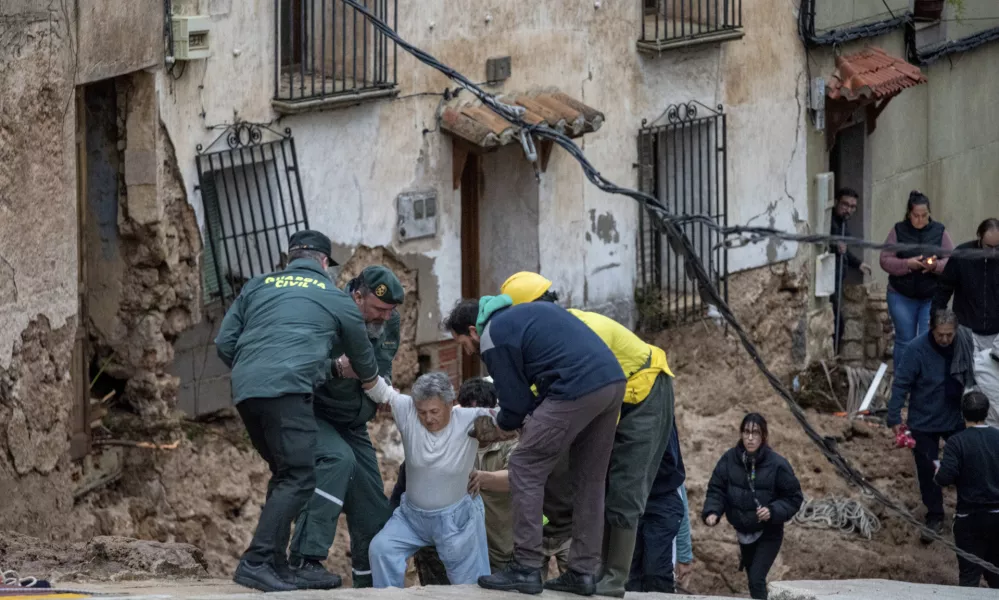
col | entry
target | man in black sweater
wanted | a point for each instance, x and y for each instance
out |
(974, 283)
(846, 205)
(971, 462)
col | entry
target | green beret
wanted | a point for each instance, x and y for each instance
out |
(383, 284)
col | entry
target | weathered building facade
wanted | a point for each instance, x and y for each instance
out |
(938, 135)
(149, 169)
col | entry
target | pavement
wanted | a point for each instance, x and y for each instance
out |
(220, 589)
(874, 589)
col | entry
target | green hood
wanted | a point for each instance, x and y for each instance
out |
(487, 306)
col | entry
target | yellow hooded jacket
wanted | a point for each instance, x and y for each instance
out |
(633, 354)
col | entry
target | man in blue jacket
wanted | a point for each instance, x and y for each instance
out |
(924, 376)
(580, 386)
(659, 541)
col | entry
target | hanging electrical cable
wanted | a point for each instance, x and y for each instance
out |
(683, 247)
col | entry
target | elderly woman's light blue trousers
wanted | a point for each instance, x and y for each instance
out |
(458, 532)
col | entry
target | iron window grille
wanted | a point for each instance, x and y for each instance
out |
(682, 162)
(326, 48)
(252, 196)
(667, 23)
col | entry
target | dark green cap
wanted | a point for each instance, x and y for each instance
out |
(308, 239)
(383, 284)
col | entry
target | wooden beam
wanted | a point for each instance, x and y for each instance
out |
(545, 153)
(459, 156)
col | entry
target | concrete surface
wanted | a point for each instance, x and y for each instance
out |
(873, 589)
(221, 589)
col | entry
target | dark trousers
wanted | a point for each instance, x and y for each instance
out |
(758, 557)
(347, 480)
(283, 431)
(640, 440)
(926, 451)
(429, 567)
(585, 428)
(977, 533)
(652, 563)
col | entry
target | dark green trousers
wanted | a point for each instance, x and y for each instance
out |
(639, 443)
(283, 431)
(347, 480)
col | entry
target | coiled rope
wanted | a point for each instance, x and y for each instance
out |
(12, 578)
(837, 512)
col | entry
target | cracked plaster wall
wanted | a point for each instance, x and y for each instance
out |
(941, 137)
(355, 161)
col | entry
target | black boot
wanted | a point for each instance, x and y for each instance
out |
(936, 523)
(312, 575)
(261, 576)
(574, 583)
(514, 578)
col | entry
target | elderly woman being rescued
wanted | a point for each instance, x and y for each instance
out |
(436, 509)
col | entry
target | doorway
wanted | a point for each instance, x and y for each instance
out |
(471, 190)
(848, 163)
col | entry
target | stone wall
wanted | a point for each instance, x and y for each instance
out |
(868, 334)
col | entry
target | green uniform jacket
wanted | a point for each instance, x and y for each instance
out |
(284, 329)
(342, 401)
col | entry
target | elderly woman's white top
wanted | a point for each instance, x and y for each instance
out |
(438, 463)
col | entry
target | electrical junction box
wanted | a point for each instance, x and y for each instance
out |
(417, 215)
(191, 37)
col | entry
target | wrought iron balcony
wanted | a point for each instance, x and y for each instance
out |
(327, 53)
(670, 24)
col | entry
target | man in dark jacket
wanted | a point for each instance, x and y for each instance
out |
(277, 338)
(652, 563)
(580, 387)
(347, 473)
(974, 283)
(934, 395)
(971, 462)
(846, 205)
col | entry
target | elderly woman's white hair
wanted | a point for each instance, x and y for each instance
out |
(434, 385)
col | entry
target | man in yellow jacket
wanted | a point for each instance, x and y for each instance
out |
(643, 430)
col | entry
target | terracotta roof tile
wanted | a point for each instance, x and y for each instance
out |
(871, 73)
(481, 126)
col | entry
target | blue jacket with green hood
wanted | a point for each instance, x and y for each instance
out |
(540, 344)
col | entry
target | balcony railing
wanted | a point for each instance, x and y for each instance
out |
(675, 23)
(328, 52)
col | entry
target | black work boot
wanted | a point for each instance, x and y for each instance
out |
(261, 576)
(574, 583)
(312, 575)
(936, 523)
(514, 578)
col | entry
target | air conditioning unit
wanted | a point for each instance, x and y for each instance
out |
(191, 37)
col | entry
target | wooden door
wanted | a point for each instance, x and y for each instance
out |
(471, 187)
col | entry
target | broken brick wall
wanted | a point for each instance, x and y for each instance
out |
(160, 245)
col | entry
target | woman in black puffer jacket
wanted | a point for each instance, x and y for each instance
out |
(755, 488)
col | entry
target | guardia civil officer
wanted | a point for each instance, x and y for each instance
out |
(280, 337)
(347, 475)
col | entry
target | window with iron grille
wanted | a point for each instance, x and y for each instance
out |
(327, 49)
(682, 162)
(674, 23)
(253, 202)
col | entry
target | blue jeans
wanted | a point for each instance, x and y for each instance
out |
(911, 317)
(457, 531)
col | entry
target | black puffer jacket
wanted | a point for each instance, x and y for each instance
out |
(733, 491)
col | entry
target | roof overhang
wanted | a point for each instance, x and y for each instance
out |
(477, 129)
(866, 80)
